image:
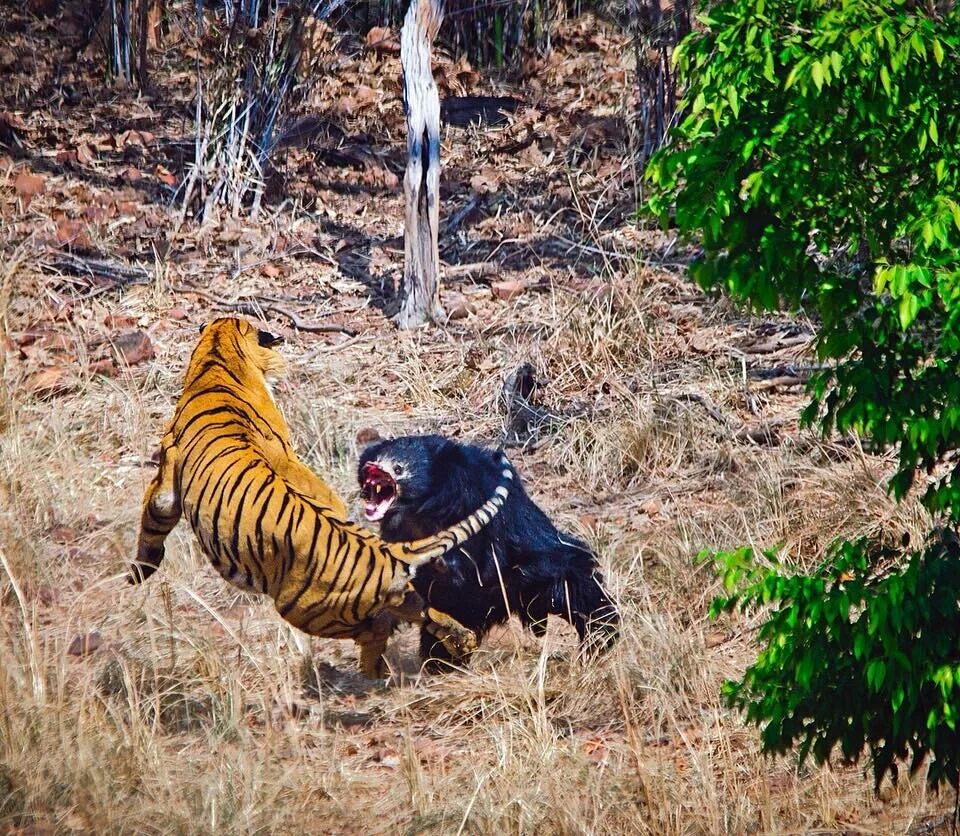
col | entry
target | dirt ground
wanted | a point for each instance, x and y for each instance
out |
(184, 706)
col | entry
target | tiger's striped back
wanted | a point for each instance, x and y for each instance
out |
(267, 522)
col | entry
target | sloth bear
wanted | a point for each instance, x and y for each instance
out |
(519, 563)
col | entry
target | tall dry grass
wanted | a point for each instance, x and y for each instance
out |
(197, 714)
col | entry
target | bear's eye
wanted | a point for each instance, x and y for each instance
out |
(397, 469)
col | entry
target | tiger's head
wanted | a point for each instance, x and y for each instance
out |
(249, 344)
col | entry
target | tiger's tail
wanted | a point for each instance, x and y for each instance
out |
(418, 552)
(161, 512)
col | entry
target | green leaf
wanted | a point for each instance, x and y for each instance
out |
(885, 78)
(733, 99)
(816, 73)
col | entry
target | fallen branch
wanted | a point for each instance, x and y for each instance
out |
(775, 343)
(789, 370)
(121, 274)
(257, 306)
(476, 269)
(452, 224)
(776, 382)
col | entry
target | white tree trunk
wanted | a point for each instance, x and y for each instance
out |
(421, 184)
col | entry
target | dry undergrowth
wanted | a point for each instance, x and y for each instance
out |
(196, 712)
(196, 715)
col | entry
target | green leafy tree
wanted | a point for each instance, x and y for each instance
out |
(818, 163)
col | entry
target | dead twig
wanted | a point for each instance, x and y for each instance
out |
(704, 401)
(257, 306)
(453, 223)
(775, 343)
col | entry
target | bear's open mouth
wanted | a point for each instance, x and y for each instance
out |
(378, 491)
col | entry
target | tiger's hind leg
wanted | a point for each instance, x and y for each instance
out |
(161, 512)
(373, 644)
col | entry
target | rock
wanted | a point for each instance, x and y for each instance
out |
(461, 309)
(133, 347)
(509, 288)
(85, 645)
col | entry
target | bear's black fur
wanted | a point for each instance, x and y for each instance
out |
(541, 571)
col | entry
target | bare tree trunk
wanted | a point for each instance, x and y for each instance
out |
(143, 79)
(659, 25)
(421, 184)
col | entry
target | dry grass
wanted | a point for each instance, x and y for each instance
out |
(195, 715)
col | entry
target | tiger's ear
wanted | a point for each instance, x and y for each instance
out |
(203, 327)
(268, 340)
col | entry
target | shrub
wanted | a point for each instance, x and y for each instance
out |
(818, 161)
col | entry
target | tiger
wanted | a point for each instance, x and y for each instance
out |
(268, 523)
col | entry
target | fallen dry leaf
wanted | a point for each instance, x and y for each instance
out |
(50, 382)
(84, 645)
(133, 347)
(164, 175)
(367, 435)
(73, 234)
(485, 181)
(28, 185)
(63, 534)
(104, 367)
(382, 39)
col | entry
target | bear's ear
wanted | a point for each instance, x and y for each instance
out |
(268, 340)
(367, 435)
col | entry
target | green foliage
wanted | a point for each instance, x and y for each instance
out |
(818, 162)
(855, 655)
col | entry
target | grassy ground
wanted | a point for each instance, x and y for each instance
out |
(191, 710)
